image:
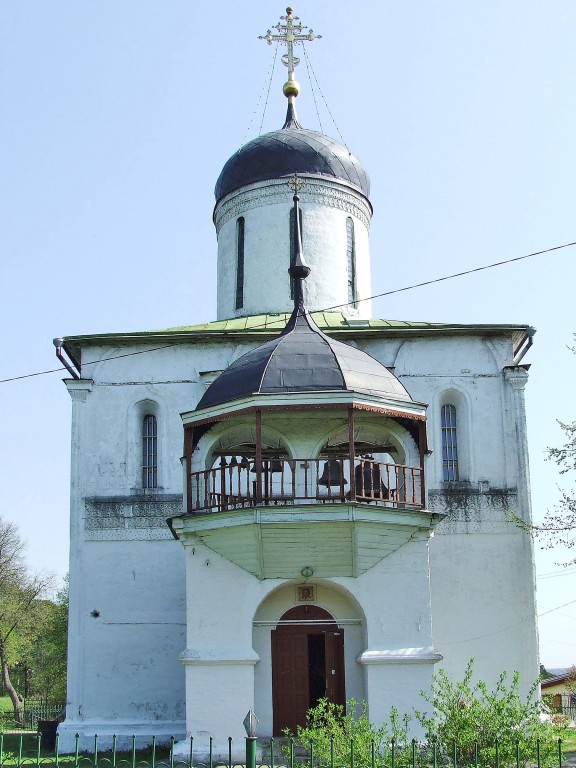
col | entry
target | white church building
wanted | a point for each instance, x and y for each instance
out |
(295, 500)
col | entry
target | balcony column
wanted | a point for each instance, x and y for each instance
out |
(351, 452)
(258, 461)
(422, 446)
(188, 448)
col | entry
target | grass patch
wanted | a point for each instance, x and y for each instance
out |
(569, 740)
(24, 748)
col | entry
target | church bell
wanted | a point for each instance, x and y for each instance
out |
(332, 474)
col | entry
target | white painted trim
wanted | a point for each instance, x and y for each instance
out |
(212, 657)
(295, 399)
(401, 656)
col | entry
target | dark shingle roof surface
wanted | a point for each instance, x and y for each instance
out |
(282, 153)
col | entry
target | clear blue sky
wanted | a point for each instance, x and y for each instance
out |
(116, 118)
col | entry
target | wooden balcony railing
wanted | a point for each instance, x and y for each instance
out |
(280, 481)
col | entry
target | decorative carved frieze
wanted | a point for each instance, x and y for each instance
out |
(470, 511)
(130, 517)
(278, 192)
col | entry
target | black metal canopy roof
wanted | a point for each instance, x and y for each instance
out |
(302, 359)
(288, 151)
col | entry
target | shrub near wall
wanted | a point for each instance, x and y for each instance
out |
(500, 725)
(467, 725)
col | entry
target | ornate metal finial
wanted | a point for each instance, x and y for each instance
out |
(299, 270)
(289, 33)
(296, 183)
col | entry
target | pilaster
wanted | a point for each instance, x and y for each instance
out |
(79, 389)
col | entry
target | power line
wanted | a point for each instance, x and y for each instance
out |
(503, 629)
(556, 574)
(460, 274)
(90, 362)
(557, 608)
(326, 309)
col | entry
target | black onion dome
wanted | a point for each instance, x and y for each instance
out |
(302, 359)
(288, 151)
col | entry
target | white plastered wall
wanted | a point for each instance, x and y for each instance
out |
(266, 210)
(481, 567)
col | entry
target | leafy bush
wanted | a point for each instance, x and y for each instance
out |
(468, 723)
(467, 716)
(337, 735)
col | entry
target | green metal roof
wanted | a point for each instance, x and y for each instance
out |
(262, 326)
(328, 321)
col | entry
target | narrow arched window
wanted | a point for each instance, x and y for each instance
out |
(149, 452)
(351, 260)
(293, 245)
(240, 263)
(449, 443)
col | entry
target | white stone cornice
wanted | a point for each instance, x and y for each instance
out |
(319, 191)
(516, 376)
(79, 388)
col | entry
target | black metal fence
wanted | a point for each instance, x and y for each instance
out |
(33, 710)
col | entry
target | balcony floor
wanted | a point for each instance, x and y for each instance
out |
(335, 539)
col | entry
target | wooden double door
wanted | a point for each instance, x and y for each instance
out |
(307, 665)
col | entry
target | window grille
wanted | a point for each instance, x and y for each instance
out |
(149, 452)
(351, 260)
(449, 443)
(240, 263)
(292, 245)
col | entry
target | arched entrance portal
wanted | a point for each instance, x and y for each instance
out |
(307, 664)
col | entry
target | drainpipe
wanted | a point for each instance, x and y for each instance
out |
(520, 351)
(58, 344)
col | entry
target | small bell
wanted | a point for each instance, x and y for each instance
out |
(332, 474)
(276, 465)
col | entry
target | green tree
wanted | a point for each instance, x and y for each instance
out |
(20, 591)
(47, 659)
(559, 524)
